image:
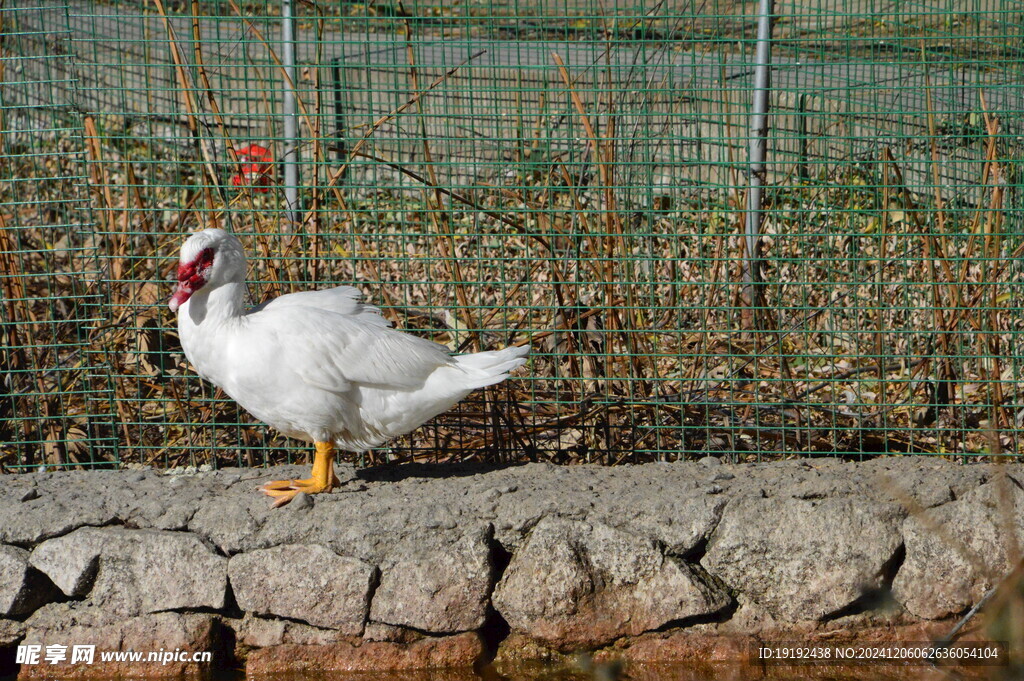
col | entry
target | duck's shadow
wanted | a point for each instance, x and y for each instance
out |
(405, 471)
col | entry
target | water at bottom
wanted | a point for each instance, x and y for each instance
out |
(674, 672)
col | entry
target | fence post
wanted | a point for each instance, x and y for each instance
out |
(754, 293)
(290, 113)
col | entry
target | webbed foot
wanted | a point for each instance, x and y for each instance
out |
(323, 478)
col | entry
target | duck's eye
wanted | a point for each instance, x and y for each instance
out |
(195, 272)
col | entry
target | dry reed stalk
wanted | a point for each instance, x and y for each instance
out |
(192, 117)
(569, 301)
(269, 286)
(883, 234)
(439, 219)
(211, 100)
(716, 274)
(116, 247)
(343, 168)
(18, 308)
(115, 241)
(945, 392)
(966, 309)
(601, 151)
(15, 305)
(319, 155)
(993, 245)
(947, 376)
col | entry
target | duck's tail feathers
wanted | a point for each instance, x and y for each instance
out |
(488, 368)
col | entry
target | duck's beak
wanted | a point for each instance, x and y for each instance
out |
(191, 278)
(182, 292)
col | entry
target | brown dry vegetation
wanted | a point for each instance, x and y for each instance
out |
(888, 321)
(637, 323)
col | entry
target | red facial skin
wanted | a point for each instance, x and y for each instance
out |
(191, 278)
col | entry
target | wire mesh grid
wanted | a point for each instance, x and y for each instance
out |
(566, 174)
(56, 400)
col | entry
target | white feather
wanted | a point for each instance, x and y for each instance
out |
(321, 365)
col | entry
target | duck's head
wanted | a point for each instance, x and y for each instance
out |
(208, 259)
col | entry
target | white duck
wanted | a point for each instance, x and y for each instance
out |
(320, 366)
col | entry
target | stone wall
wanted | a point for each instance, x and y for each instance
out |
(445, 566)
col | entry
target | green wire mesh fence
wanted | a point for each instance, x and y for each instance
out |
(568, 174)
(56, 397)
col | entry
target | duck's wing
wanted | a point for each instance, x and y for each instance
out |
(333, 347)
(345, 300)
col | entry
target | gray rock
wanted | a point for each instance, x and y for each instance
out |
(363, 526)
(801, 559)
(301, 502)
(958, 551)
(924, 479)
(436, 584)
(22, 589)
(171, 570)
(230, 521)
(11, 631)
(796, 539)
(258, 632)
(68, 500)
(70, 561)
(304, 582)
(375, 631)
(576, 584)
(136, 571)
(680, 522)
(45, 516)
(78, 622)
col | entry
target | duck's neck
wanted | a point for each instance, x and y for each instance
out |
(219, 304)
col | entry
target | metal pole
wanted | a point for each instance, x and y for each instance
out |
(340, 147)
(757, 151)
(290, 113)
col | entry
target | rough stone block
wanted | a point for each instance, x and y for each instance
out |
(46, 515)
(436, 584)
(11, 631)
(70, 561)
(958, 551)
(804, 559)
(258, 632)
(462, 650)
(22, 589)
(576, 584)
(227, 521)
(136, 571)
(77, 622)
(304, 582)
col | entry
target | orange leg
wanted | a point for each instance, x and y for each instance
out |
(321, 480)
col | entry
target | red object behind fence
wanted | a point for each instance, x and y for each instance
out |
(257, 168)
